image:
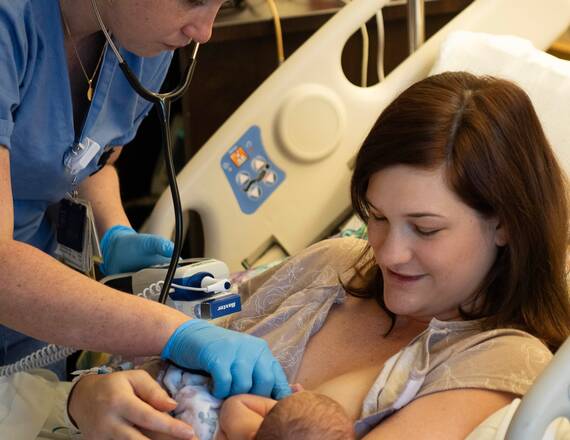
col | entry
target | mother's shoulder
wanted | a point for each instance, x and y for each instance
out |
(339, 246)
(339, 253)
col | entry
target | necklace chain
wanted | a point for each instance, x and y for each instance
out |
(89, 80)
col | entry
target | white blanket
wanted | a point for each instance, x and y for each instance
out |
(32, 405)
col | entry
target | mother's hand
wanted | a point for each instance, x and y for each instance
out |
(117, 405)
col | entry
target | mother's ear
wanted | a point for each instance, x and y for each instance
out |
(501, 234)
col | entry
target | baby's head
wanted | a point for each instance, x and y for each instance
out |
(306, 415)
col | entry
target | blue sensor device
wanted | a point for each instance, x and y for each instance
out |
(219, 306)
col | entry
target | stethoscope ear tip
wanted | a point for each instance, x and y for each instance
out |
(195, 45)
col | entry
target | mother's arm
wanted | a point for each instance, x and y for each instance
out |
(444, 415)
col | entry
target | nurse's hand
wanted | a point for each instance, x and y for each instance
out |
(238, 363)
(121, 405)
(125, 250)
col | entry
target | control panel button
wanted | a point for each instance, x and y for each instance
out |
(269, 178)
(238, 156)
(254, 192)
(258, 163)
(242, 179)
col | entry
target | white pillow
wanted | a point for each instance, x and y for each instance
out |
(544, 77)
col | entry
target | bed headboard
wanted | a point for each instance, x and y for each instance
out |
(278, 170)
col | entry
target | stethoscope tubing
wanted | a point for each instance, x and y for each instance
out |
(149, 95)
(162, 102)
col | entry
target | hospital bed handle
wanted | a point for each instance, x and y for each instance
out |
(548, 399)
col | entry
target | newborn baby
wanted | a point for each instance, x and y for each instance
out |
(303, 415)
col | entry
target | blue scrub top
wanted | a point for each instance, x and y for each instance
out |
(36, 116)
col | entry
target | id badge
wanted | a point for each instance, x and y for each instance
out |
(77, 241)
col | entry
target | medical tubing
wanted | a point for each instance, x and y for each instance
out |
(105, 31)
(162, 103)
(214, 285)
(381, 44)
(50, 354)
(365, 49)
(278, 31)
(163, 108)
(135, 83)
(158, 98)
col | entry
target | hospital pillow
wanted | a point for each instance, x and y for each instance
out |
(544, 77)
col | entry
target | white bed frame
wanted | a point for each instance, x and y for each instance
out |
(312, 120)
(547, 400)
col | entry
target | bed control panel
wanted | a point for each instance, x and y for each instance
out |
(251, 174)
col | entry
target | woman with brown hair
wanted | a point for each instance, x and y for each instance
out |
(484, 136)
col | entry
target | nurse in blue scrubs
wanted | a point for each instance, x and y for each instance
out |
(60, 86)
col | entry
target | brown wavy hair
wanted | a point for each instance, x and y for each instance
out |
(486, 134)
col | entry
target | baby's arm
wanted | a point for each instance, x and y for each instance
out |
(242, 415)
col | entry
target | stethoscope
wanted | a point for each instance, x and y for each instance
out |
(162, 102)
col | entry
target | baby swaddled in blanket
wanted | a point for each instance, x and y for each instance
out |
(301, 415)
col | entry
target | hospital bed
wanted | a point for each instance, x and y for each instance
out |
(275, 177)
(298, 134)
(276, 174)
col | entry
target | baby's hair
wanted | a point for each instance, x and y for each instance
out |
(306, 415)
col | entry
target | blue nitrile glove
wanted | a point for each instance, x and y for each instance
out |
(238, 363)
(125, 250)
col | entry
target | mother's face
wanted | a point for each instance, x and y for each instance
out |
(148, 27)
(433, 250)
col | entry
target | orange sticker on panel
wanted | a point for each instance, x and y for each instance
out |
(239, 156)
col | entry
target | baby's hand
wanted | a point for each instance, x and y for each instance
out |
(242, 415)
(297, 388)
